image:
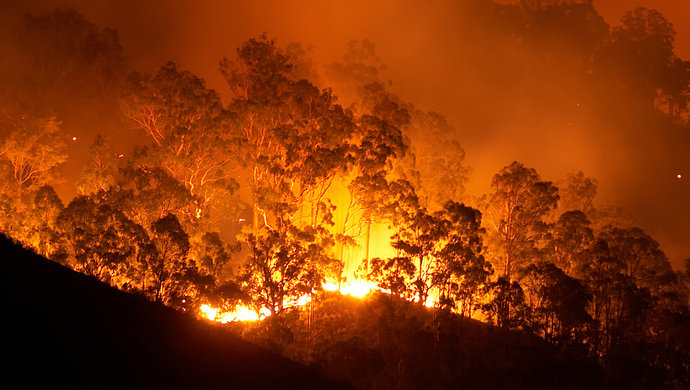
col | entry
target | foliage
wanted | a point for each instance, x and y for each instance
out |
(283, 265)
(192, 138)
(514, 213)
(439, 253)
(100, 172)
(62, 47)
(99, 240)
(30, 154)
(295, 141)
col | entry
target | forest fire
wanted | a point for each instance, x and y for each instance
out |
(358, 289)
(345, 213)
(241, 313)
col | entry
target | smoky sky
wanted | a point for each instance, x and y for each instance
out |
(505, 106)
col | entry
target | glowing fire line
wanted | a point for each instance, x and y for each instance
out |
(358, 289)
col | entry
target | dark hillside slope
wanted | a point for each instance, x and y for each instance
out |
(63, 329)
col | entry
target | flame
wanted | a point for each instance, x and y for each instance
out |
(209, 312)
(241, 313)
(358, 288)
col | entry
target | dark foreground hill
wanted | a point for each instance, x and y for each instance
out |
(61, 329)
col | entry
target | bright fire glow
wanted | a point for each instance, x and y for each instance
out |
(679, 176)
(358, 288)
(241, 313)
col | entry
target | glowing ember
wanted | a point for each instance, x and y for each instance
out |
(679, 176)
(74, 138)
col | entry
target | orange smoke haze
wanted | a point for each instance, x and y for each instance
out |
(504, 104)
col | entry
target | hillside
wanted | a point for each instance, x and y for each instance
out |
(65, 329)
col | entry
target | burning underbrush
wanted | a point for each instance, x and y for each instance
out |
(359, 289)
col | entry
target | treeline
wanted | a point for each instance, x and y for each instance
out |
(558, 276)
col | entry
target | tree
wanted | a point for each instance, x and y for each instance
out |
(284, 265)
(373, 191)
(45, 208)
(63, 48)
(438, 158)
(99, 173)
(97, 239)
(360, 67)
(213, 255)
(642, 260)
(641, 52)
(295, 142)
(149, 194)
(171, 273)
(192, 138)
(295, 139)
(438, 253)
(570, 240)
(578, 193)
(557, 301)
(506, 307)
(30, 153)
(631, 283)
(12, 217)
(514, 213)
(468, 273)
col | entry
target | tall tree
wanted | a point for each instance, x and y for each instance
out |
(192, 138)
(438, 253)
(570, 240)
(295, 141)
(63, 49)
(99, 172)
(30, 153)
(641, 52)
(514, 214)
(172, 274)
(558, 303)
(45, 208)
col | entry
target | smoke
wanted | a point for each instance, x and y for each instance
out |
(506, 103)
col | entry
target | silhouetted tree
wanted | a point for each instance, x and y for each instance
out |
(101, 170)
(514, 213)
(99, 240)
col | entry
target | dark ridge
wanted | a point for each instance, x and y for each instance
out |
(62, 329)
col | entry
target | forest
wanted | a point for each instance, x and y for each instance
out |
(311, 179)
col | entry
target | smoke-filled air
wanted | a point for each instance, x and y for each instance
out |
(444, 194)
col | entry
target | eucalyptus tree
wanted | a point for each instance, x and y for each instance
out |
(101, 170)
(295, 141)
(192, 137)
(97, 239)
(438, 253)
(515, 214)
